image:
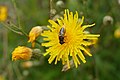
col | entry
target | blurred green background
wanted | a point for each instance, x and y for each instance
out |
(104, 65)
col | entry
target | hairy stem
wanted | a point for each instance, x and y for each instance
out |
(16, 11)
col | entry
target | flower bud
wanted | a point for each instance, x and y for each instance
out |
(119, 2)
(27, 64)
(56, 17)
(53, 11)
(25, 72)
(60, 4)
(21, 53)
(117, 33)
(107, 20)
(34, 33)
(36, 54)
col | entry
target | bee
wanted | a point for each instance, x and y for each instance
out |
(62, 35)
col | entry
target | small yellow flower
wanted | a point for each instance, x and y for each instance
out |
(2, 77)
(67, 39)
(21, 53)
(34, 33)
(117, 33)
(3, 13)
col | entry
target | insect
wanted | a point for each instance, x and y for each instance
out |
(61, 35)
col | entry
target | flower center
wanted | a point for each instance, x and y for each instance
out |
(69, 37)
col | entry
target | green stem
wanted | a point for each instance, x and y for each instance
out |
(20, 29)
(51, 7)
(37, 42)
(18, 18)
(17, 71)
(13, 25)
(10, 28)
(23, 32)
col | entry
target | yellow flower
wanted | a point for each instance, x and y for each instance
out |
(34, 33)
(3, 13)
(21, 53)
(117, 33)
(2, 77)
(73, 41)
